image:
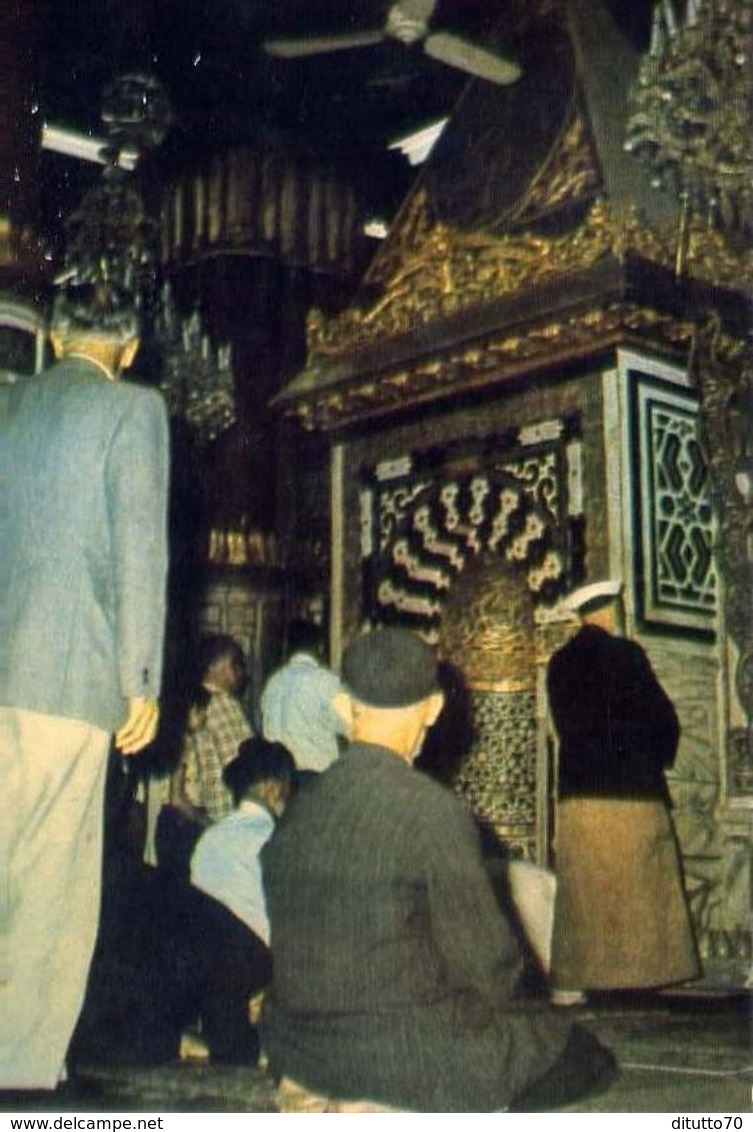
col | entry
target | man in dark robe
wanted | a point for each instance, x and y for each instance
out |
(621, 919)
(395, 971)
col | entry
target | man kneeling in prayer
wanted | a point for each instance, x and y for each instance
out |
(226, 866)
(169, 955)
(395, 972)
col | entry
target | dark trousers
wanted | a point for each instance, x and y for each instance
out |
(167, 955)
(240, 966)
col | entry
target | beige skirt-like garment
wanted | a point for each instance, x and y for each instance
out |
(621, 917)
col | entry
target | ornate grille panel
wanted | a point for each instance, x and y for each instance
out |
(499, 776)
(675, 571)
(423, 517)
(466, 543)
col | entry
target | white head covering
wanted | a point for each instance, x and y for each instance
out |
(596, 593)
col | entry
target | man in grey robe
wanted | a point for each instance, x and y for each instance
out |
(395, 970)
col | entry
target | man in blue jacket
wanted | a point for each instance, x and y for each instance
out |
(83, 560)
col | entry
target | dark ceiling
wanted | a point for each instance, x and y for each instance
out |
(225, 89)
(208, 54)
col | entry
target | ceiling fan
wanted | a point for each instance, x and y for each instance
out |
(409, 22)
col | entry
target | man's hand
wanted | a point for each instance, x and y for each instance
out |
(140, 726)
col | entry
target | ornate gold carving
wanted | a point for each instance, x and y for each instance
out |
(691, 109)
(571, 174)
(707, 255)
(472, 366)
(450, 271)
(488, 622)
(413, 225)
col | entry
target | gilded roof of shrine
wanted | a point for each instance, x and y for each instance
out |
(533, 205)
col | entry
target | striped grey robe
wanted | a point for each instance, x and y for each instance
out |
(394, 969)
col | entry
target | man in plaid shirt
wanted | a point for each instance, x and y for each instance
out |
(198, 789)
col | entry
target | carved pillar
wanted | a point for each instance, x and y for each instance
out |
(724, 369)
(725, 374)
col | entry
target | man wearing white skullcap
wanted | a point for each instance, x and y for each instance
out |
(621, 918)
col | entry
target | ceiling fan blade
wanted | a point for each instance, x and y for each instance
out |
(466, 56)
(321, 45)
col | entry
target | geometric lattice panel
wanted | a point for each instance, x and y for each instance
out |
(498, 778)
(677, 581)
